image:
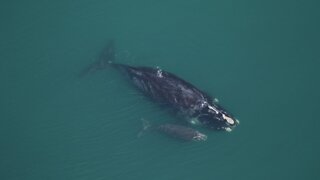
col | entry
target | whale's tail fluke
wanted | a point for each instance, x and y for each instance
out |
(146, 125)
(106, 58)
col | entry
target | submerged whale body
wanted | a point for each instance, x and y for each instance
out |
(182, 132)
(173, 130)
(165, 87)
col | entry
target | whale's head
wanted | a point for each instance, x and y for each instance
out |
(199, 136)
(215, 117)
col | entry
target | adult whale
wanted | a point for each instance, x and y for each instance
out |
(165, 87)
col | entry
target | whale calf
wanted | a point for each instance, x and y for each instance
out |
(174, 130)
(182, 132)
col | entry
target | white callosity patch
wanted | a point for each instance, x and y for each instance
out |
(228, 119)
(206, 104)
(203, 104)
(213, 109)
(159, 72)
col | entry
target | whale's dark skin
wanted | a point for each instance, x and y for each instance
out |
(178, 94)
(167, 88)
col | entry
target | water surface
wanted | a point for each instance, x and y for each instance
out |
(260, 59)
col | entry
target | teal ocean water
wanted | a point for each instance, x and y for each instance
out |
(259, 58)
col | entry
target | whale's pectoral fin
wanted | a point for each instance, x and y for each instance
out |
(105, 58)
